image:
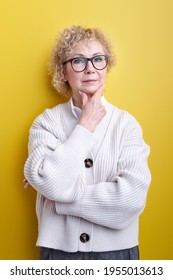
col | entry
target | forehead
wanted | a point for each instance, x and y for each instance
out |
(88, 47)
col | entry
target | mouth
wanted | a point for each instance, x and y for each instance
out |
(89, 81)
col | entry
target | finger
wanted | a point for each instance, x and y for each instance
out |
(24, 180)
(27, 185)
(98, 92)
(84, 98)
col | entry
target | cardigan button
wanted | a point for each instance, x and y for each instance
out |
(88, 163)
(84, 237)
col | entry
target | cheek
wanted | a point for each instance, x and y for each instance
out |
(74, 79)
(103, 76)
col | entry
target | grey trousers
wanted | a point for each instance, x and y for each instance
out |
(127, 254)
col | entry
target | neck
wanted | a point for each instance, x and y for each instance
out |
(77, 102)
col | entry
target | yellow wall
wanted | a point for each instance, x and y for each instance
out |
(140, 83)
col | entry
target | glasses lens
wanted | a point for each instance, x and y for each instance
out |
(78, 64)
(100, 62)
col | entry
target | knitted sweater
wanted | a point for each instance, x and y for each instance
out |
(104, 200)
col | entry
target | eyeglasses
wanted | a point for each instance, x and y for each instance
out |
(79, 64)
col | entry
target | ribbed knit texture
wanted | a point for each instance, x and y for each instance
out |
(105, 200)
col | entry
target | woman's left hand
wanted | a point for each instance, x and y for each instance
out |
(93, 110)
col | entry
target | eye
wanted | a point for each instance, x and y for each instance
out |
(78, 60)
(99, 58)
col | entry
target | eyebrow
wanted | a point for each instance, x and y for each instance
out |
(80, 54)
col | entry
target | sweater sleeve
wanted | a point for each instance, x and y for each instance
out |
(55, 168)
(116, 204)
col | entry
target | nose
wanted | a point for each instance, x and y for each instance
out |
(89, 68)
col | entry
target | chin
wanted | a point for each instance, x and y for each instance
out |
(90, 91)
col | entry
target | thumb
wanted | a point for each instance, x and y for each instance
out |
(84, 98)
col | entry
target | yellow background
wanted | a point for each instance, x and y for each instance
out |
(141, 83)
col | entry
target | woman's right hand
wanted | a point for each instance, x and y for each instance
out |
(27, 184)
(93, 110)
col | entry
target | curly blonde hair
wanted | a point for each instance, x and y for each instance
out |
(64, 45)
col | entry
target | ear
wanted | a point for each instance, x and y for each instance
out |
(65, 76)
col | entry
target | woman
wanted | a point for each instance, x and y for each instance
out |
(87, 159)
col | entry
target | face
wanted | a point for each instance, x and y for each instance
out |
(90, 79)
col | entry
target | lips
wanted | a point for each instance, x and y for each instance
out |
(89, 81)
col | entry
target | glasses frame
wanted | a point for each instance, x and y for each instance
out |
(86, 62)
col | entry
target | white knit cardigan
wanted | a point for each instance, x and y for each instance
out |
(103, 201)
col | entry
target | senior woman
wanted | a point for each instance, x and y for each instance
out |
(87, 159)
